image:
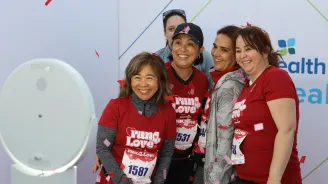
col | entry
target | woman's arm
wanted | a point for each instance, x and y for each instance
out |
(164, 160)
(283, 112)
(105, 155)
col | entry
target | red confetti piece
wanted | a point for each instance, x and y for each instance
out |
(111, 174)
(121, 82)
(126, 178)
(216, 159)
(248, 24)
(97, 53)
(302, 160)
(106, 142)
(258, 126)
(222, 127)
(154, 54)
(47, 2)
(169, 98)
(191, 178)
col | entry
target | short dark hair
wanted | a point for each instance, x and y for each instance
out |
(259, 40)
(157, 64)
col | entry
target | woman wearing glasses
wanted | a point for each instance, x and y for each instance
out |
(189, 86)
(171, 19)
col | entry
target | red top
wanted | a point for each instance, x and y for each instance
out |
(121, 115)
(258, 146)
(188, 98)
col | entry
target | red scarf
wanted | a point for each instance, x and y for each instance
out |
(216, 75)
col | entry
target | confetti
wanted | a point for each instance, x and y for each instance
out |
(232, 176)
(108, 178)
(111, 174)
(169, 98)
(222, 127)
(154, 54)
(121, 82)
(98, 178)
(97, 53)
(106, 142)
(164, 174)
(216, 159)
(234, 100)
(228, 160)
(47, 2)
(302, 160)
(240, 75)
(258, 126)
(217, 182)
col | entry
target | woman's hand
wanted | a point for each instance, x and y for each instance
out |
(97, 164)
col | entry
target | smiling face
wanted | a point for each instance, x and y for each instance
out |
(222, 53)
(249, 59)
(171, 25)
(185, 51)
(145, 83)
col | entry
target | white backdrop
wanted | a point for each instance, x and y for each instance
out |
(304, 21)
(72, 31)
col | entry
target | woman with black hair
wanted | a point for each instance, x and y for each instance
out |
(171, 19)
(189, 86)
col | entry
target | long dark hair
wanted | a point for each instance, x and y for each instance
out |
(136, 65)
(259, 40)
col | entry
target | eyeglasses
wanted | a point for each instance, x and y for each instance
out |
(177, 11)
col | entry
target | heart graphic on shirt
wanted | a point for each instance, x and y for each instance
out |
(129, 129)
(155, 137)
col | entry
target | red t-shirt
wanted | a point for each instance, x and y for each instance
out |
(141, 133)
(258, 146)
(188, 106)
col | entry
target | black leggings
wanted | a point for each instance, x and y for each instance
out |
(180, 172)
(241, 181)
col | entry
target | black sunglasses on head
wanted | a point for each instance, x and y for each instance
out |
(177, 11)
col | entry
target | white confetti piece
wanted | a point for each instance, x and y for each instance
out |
(258, 126)
(106, 142)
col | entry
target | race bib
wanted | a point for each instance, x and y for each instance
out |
(186, 133)
(139, 165)
(237, 157)
(202, 135)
